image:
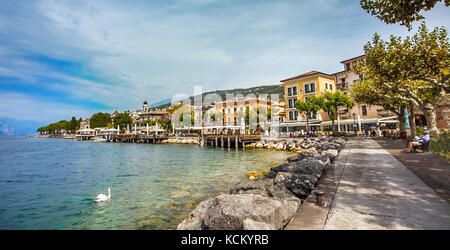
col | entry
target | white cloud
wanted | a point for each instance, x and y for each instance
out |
(148, 50)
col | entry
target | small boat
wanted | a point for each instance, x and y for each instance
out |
(100, 139)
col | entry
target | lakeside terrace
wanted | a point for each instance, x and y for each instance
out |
(232, 135)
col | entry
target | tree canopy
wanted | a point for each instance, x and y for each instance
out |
(100, 120)
(414, 69)
(71, 126)
(335, 100)
(310, 106)
(122, 120)
(399, 11)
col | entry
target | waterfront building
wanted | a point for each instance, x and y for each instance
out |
(231, 110)
(367, 115)
(85, 124)
(300, 87)
(150, 114)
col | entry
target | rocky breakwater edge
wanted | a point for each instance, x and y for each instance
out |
(270, 202)
(180, 141)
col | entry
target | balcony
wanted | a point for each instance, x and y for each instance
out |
(342, 85)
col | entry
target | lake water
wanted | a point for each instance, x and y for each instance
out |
(51, 183)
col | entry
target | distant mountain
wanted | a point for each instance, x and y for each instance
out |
(10, 126)
(268, 89)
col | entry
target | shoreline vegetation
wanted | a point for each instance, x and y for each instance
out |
(268, 201)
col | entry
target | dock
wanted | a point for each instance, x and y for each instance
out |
(229, 141)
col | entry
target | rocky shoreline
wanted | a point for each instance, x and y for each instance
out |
(270, 202)
(180, 141)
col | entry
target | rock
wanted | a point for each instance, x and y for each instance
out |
(330, 153)
(300, 184)
(279, 146)
(228, 212)
(309, 166)
(254, 191)
(296, 157)
(249, 224)
(195, 219)
(323, 158)
(274, 171)
(262, 184)
(280, 191)
(309, 152)
(252, 175)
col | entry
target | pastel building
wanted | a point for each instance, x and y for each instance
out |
(232, 110)
(300, 87)
(368, 115)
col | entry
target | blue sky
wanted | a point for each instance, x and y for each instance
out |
(65, 58)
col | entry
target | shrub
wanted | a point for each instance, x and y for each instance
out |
(441, 146)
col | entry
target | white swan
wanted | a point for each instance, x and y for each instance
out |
(102, 197)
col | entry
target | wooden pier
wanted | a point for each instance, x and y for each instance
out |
(229, 141)
(138, 138)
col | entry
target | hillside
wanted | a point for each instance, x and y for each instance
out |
(268, 89)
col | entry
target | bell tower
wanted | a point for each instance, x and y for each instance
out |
(145, 107)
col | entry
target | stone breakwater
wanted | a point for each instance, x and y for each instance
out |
(180, 141)
(271, 202)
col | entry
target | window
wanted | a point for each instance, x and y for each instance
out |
(291, 103)
(313, 115)
(347, 66)
(293, 115)
(364, 110)
(331, 86)
(310, 88)
(292, 91)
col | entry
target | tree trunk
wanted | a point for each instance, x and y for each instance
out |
(307, 123)
(401, 119)
(332, 120)
(412, 121)
(430, 114)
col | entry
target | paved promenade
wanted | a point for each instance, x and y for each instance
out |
(368, 188)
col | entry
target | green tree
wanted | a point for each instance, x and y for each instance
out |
(149, 122)
(100, 120)
(310, 106)
(122, 120)
(73, 124)
(403, 11)
(166, 124)
(415, 69)
(335, 100)
(368, 92)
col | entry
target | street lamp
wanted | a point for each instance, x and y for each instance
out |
(354, 120)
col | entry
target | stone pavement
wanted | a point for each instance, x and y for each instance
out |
(368, 188)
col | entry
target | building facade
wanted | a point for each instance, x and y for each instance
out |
(313, 83)
(366, 113)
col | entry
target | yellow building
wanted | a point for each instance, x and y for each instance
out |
(230, 110)
(313, 83)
